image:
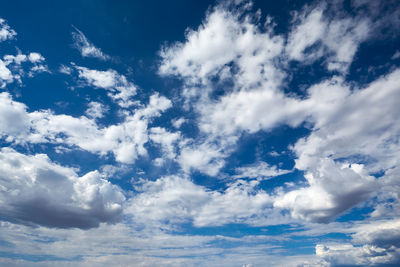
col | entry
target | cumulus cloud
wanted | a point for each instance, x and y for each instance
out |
(326, 197)
(373, 244)
(11, 67)
(14, 119)
(173, 200)
(347, 125)
(38, 191)
(125, 140)
(177, 123)
(5, 74)
(96, 110)
(238, 112)
(315, 35)
(354, 137)
(222, 39)
(85, 47)
(166, 139)
(205, 157)
(6, 33)
(252, 206)
(118, 87)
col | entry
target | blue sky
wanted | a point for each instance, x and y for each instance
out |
(215, 133)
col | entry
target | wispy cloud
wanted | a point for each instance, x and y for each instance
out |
(85, 47)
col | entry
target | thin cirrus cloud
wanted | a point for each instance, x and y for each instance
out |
(85, 47)
(258, 143)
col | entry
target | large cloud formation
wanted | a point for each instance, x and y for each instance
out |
(235, 75)
(36, 191)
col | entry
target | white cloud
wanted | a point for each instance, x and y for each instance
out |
(241, 112)
(222, 39)
(17, 59)
(117, 85)
(85, 47)
(96, 110)
(205, 157)
(172, 200)
(38, 69)
(396, 55)
(353, 135)
(383, 233)
(167, 201)
(346, 124)
(307, 31)
(177, 123)
(65, 69)
(123, 243)
(349, 126)
(125, 140)
(14, 118)
(333, 188)
(5, 75)
(373, 243)
(35, 57)
(37, 191)
(228, 46)
(314, 35)
(260, 170)
(166, 139)
(12, 68)
(6, 33)
(251, 206)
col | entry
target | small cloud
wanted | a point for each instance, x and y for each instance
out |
(65, 69)
(113, 171)
(118, 86)
(396, 55)
(158, 162)
(274, 154)
(85, 47)
(177, 123)
(35, 57)
(259, 170)
(6, 33)
(96, 110)
(38, 69)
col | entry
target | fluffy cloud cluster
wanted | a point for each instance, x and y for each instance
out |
(314, 36)
(235, 72)
(12, 69)
(354, 137)
(125, 140)
(347, 124)
(6, 33)
(35, 190)
(374, 244)
(171, 200)
(118, 87)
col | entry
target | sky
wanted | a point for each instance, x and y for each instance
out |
(200, 133)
